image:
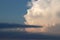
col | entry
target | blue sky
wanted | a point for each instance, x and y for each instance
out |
(12, 11)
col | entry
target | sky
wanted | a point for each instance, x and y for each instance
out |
(34, 12)
(12, 11)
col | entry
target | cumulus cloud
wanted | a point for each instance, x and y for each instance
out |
(43, 12)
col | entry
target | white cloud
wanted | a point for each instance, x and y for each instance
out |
(43, 12)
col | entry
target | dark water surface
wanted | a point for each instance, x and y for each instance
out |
(26, 36)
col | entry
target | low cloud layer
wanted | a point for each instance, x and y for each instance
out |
(45, 13)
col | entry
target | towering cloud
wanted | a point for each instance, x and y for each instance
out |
(43, 12)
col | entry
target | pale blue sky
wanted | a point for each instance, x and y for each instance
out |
(12, 11)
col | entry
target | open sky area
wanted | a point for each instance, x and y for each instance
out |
(44, 13)
(13, 11)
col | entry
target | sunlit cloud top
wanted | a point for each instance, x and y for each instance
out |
(43, 12)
